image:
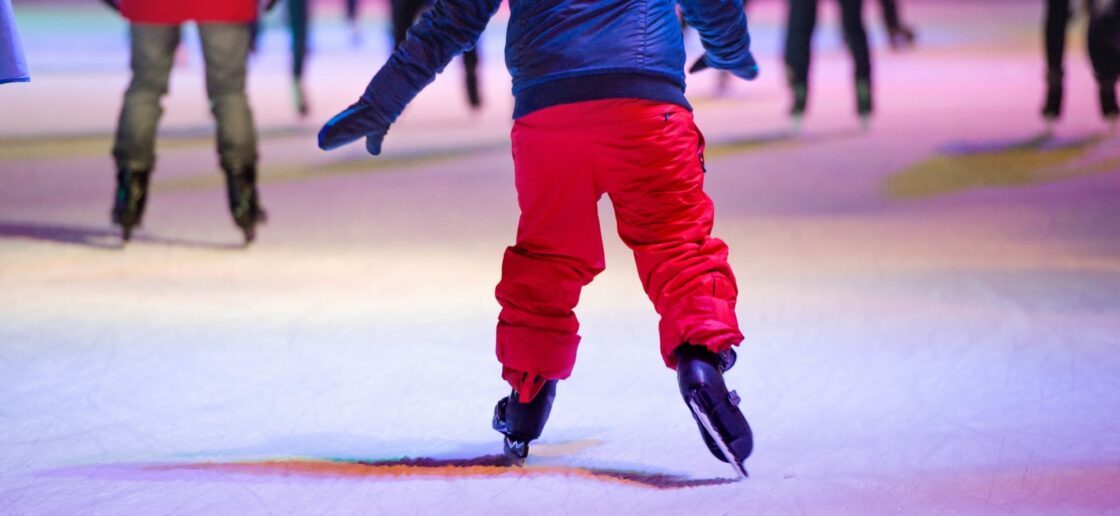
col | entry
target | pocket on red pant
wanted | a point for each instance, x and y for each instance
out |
(701, 145)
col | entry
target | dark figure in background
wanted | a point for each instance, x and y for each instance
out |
(299, 15)
(225, 28)
(405, 13)
(352, 21)
(899, 35)
(1104, 53)
(799, 37)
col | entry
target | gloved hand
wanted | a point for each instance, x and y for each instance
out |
(358, 120)
(748, 71)
(112, 5)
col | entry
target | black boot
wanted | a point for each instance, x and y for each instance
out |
(244, 203)
(130, 198)
(1052, 109)
(800, 100)
(521, 423)
(864, 106)
(716, 411)
(1109, 107)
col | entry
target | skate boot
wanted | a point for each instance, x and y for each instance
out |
(716, 411)
(800, 102)
(130, 199)
(864, 105)
(900, 37)
(474, 96)
(521, 423)
(1109, 109)
(299, 98)
(1052, 109)
(244, 203)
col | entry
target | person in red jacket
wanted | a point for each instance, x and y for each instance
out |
(224, 28)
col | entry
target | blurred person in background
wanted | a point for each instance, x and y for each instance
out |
(1104, 54)
(13, 66)
(299, 22)
(404, 15)
(798, 54)
(225, 29)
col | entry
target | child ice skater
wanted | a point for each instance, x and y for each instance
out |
(225, 29)
(599, 108)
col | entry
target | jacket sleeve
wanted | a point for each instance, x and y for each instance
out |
(448, 29)
(723, 31)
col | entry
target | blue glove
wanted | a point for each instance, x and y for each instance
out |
(358, 120)
(748, 71)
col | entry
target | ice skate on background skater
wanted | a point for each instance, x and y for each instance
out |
(596, 112)
(224, 28)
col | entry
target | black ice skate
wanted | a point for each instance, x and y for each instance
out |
(474, 96)
(800, 102)
(1052, 107)
(244, 202)
(521, 423)
(863, 102)
(1109, 108)
(129, 201)
(900, 37)
(716, 411)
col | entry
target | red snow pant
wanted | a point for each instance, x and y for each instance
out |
(648, 158)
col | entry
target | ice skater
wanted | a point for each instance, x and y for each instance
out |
(1104, 54)
(599, 108)
(404, 15)
(13, 65)
(224, 26)
(299, 18)
(798, 53)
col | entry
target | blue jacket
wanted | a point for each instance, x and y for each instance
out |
(558, 52)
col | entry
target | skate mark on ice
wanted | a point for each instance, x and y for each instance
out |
(106, 238)
(963, 166)
(482, 467)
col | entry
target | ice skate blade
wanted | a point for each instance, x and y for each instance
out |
(515, 451)
(701, 416)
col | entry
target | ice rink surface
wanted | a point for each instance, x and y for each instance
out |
(932, 308)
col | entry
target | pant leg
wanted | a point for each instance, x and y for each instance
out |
(559, 250)
(890, 14)
(653, 173)
(855, 36)
(1104, 53)
(352, 10)
(404, 15)
(153, 53)
(799, 40)
(298, 15)
(225, 47)
(1057, 20)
